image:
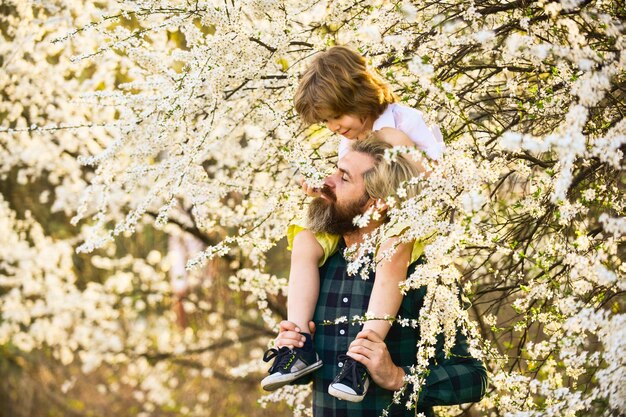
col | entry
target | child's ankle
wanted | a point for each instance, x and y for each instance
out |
(308, 343)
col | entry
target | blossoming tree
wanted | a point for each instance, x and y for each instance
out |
(178, 116)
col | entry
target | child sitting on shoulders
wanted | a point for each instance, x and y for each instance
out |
(338, 89)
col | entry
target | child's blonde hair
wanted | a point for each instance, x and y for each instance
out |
(337, 83)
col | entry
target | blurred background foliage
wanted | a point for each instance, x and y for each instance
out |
(35, 384)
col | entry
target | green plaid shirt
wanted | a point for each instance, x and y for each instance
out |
(456, 380)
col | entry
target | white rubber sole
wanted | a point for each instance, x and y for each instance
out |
(276, 380)
(336, 391)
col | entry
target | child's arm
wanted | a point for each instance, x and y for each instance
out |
(386, 296)
(397, 137)
(304, 279)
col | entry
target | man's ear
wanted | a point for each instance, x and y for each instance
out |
(381, 205)
(369, 203)
(378, 206)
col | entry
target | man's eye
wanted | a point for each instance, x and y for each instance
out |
(344, 177)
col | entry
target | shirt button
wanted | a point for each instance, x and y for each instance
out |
(342, 331)
(345, 299)
(340, 364)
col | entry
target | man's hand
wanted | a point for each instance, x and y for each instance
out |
(289, 334)
(370, 349)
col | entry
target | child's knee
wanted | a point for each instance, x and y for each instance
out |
(305, 243)
(305, 238)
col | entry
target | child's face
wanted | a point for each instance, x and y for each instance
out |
(349, 126)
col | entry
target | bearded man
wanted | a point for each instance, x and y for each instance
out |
(362, 178)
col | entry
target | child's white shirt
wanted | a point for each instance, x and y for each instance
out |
(411, 122)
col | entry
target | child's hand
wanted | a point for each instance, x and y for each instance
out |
(289, 334)
(308, 190)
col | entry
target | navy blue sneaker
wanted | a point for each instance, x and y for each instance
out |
(289, 365)
(352, 382)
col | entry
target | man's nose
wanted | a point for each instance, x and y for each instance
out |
(329, 182)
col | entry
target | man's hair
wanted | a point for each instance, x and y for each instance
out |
(385, 177)
(337, 83)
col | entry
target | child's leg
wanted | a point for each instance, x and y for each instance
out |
(304, 279)
(384, 300)
(290, 364)
(386, 297)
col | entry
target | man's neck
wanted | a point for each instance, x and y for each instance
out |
(353, 238)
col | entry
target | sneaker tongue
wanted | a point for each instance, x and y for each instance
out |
(353, 370)
(284, 358)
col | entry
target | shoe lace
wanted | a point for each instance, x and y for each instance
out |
(352, 371)
(282, 357)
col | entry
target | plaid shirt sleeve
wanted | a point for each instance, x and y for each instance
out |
(455, 380)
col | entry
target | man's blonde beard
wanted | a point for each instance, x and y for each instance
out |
(328, 217)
